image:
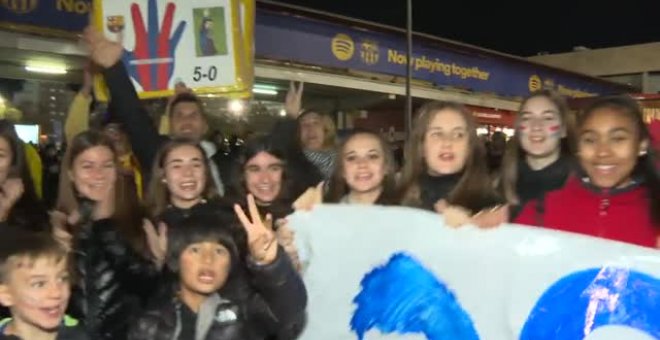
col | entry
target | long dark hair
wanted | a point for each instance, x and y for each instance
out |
(158, 197)
(338, 187)
(128, 214)
(646, 163)
(474, 187)
(514, 152)
(28, 211)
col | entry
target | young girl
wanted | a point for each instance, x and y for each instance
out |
(365, 173)
(180, 182)
(446, 167)
(263, 170)
(107, 240)
(180, 187)
(616, 194)
(538, 158)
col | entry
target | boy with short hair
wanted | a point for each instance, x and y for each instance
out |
(203, 254)
(35, 286)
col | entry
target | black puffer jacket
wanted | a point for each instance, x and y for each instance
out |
(274, 308)
(113, 281)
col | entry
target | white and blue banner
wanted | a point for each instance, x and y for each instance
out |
(399, 273)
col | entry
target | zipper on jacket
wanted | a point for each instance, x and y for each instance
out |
(603, 210)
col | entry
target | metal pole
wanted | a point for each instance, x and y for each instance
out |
(409, 37)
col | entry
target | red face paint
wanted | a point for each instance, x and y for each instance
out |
(554, 128)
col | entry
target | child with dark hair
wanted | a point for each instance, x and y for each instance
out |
(35, 286)
(206, 258)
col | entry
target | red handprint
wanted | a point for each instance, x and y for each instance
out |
(151, 63)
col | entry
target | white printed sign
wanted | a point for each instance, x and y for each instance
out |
(197, 42)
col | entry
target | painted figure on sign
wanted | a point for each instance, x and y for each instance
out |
(206, 42)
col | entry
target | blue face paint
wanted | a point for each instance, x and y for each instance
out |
(403, 297)
(578, 304)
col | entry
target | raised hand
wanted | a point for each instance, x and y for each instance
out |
(310, 198)
(261, 239)
(151, 63)
(10, 192)
(156, 240)
(455, 216)
(286, 237)
(293, 101)
(104, 206)
(60, 223)
(88, 80)
(103, 51)
(491, 218)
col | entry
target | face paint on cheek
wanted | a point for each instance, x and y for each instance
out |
(555, 131)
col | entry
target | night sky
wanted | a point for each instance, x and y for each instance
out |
(555, 26)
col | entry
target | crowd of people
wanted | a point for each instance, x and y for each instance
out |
(156, 236)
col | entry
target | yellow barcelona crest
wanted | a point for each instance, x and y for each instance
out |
(369, 52)
(115, 23)
(20, 6)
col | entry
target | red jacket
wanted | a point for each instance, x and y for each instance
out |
(621, 216)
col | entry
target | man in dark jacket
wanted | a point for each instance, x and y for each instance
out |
(186, 114)
(206, 258)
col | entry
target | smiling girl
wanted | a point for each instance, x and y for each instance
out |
(616, 195)
(538, 158)
(106, 238)
(365, 173)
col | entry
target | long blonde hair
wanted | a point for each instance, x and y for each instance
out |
(474, 184)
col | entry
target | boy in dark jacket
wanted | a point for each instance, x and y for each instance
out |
(206, 258)
(34, 284)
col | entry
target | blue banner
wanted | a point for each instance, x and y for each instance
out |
(44, 15)
(297, 39)
(293, 38)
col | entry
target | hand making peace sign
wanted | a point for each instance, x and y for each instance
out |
(261, 239)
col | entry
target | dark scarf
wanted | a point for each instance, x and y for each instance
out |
(532, 184)
(435, 188)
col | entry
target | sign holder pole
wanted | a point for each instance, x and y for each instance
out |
(409, 38)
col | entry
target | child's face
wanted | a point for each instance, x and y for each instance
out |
(363, 161)
(185, 175)
(204, 267)
(37, 292)
(608, 148)
(540, 128)
(446, 143)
